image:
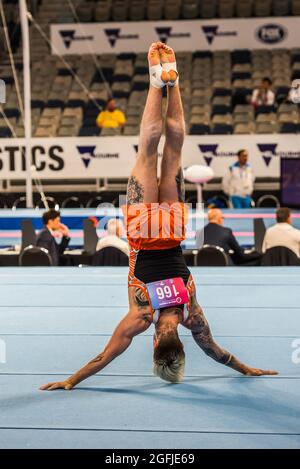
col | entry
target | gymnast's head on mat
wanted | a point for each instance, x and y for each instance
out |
(168, 356)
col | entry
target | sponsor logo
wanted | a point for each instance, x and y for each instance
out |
(114, 34)
(271, 33)
(69, 37)
(269, 151)
(165, 33)
(87, 153)
(2, 92)
(211, 32)
(209, 152)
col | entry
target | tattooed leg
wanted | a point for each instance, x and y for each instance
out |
(135, 191)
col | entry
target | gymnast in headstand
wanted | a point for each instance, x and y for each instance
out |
(159, 257)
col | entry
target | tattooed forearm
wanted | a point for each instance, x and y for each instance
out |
(135, 191)
(180, 185)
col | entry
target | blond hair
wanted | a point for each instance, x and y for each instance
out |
(169, 358)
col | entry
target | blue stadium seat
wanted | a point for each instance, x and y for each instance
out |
(264, 109)
(202, 54)
(200, 129)
(290, 128)
(75, 103)
(55, 103)
(89, 131)
(221, 109)
(12, 112)
(241, 56)
(37, 104)
(222, 129)
(241, 76)
(222, 92)
(139, 86)
(5, 132)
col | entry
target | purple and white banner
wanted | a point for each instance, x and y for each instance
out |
(248, 33)
(114, 157)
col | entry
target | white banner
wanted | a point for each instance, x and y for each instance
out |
(250, 33)
(114, 157)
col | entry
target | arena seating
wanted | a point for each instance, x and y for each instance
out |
(216, 87)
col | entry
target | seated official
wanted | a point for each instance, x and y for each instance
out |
(52, 229)
(115, 230)
(216, 234)
(282, 233)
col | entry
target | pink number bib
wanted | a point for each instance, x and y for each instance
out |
(165, 293)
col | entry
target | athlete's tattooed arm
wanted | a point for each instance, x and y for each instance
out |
(130, 326)
(202, 335)
(135, 191)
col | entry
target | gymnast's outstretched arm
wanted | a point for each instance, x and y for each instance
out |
(198, 325)
(130, 326)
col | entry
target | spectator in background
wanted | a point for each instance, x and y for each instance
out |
(111, 117)
(263, 96)
(115, 230)
(283, 233)
(238, 181)
(216, 234)
(46, 237)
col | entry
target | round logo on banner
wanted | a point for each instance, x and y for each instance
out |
(271, 33)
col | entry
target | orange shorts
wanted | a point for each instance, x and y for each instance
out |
(154, 225)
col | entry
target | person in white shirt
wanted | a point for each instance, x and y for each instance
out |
(263, 96)
(115, 230)
(283, 233)
(238, 181)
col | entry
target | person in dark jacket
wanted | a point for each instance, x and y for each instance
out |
(46, 237)
(218, 235)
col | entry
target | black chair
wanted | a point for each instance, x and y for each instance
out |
(90, 237)
(72, 202)
(211, 256)
(259, 233)
(268, 200)
(34, 256)
(52, 203)
(19, 203)
(279, 256)
(94, 202)
(28, 234)
(110, 256)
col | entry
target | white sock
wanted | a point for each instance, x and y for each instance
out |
(171, 66)
(155, 76)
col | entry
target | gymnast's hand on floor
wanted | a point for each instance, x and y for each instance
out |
(259, 372)
(66, 385)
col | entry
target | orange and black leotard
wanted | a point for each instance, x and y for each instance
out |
(154, 233)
